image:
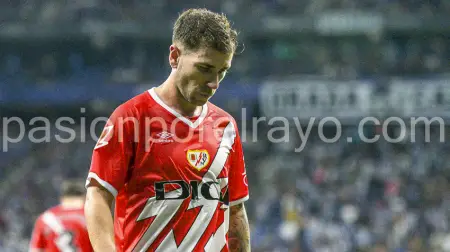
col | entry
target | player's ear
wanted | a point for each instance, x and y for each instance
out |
(174, 56)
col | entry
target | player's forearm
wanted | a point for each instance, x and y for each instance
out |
(239, 231)
(99, 220)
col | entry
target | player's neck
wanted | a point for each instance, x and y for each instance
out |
(72, 203)
(170, 95)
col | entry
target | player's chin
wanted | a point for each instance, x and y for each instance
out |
(200, 100)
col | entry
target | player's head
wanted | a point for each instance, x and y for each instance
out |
(73, 189)
(203, 45)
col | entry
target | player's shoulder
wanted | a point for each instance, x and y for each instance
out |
(57, 209)
(54, 210)
(219, 115)
(135, 105)
(216, 111)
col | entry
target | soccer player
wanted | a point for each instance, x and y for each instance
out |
(169, 163)
(63, 228)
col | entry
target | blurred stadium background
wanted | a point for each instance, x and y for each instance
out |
(303, 58)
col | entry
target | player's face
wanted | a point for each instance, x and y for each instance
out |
(199, 74)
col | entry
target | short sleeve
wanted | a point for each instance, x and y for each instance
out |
(38, 239)
(238, 184)
(113, 152)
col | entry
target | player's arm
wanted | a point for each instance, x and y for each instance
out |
(99, 220)
(239, 232)
(109, 167)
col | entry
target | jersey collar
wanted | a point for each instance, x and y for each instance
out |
(178, 115)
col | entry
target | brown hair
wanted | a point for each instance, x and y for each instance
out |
(73, 188)
(197, 28)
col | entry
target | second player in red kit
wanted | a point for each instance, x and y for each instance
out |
(62, 228)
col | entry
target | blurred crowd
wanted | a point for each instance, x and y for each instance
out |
(127, 60)
(355, 196)
(130, 61)
(47, 11)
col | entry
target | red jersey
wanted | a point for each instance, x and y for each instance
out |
(61, 230)
(173, 177)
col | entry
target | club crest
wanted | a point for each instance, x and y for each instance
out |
(198, 159)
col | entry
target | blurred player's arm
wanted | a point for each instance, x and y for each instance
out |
(239, 232)
(99, 220)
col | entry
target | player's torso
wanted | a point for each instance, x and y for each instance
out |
(176, 193)
(66, 230)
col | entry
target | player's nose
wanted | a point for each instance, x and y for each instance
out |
(214, 83)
